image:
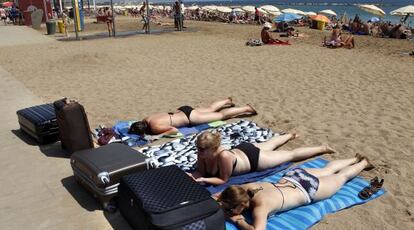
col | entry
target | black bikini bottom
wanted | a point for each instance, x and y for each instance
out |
(187, 111)
(252, 153)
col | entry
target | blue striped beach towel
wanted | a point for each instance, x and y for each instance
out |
(306, 216)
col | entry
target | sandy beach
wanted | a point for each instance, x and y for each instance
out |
(357, 101)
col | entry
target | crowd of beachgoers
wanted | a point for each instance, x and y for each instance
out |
(257, 15)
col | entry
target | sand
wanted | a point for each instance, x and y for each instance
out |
(358, 100)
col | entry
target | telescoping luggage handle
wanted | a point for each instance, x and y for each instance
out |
(105, 179)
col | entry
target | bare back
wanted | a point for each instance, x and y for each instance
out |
(270, 196)
(161, 122)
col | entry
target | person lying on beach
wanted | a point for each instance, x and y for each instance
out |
(267, 39)
(297, 187)
(167, 123)
(215, 164)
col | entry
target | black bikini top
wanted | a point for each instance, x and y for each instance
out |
(218, 169)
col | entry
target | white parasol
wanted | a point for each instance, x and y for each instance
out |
(404, 11)
(328, 12)
(270, 8)
(223, 9)
(293, 11)
(373, 10)
(250, 9)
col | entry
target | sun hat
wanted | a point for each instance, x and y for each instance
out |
(267, 25)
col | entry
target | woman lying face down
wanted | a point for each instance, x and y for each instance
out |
(216, 164)
(297, 187)
(168, 123)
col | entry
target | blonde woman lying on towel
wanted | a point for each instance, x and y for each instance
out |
(215, 164)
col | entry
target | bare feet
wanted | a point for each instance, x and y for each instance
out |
(359, 157)
(369, 165)
(230, 103)
(252, 110)
(329, 149)
(293, 135)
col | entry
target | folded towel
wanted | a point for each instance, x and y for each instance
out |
(306, 216)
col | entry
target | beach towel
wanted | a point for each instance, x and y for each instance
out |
(306, 216)
(121, 130)
(247, 178)
(183, 152)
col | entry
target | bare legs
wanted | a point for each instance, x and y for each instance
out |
(215, 106)
(204, 115)
(336, 174)
(276, 142)
(269, 159)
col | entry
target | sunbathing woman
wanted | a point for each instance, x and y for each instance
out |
(297, 187)
(215, 164)
(267, 39)
(167, 123)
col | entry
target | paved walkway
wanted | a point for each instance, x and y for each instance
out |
(38, 190)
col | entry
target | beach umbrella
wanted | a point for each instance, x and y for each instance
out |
(372, 9)
(288, 17)
(327, 12)
(262, 10)
(210, 8)
(293, 11)
(192, 8)
(404, 11)
(270, 8)
(238, 10)
(274, 13)
(7, 4)
(310, 13)
(374, 19)
(320, 18)
(250, 9)
(223, 9)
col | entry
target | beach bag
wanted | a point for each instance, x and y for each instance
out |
(254, 42)
(73, 124)
(167, 198)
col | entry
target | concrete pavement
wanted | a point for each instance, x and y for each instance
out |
(37, 189)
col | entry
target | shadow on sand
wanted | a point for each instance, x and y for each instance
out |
(121, 34)
(50, 150)
(89, 203)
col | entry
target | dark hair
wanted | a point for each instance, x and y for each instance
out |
(139, 128)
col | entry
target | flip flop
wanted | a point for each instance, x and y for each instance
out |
(371, 189)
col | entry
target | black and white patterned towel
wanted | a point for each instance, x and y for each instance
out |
(183, 152)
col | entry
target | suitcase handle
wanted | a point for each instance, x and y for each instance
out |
(104, 177)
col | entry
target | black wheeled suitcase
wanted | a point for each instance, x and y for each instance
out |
(74, 127)
(39, 122)
(167, 198)
(100, 170)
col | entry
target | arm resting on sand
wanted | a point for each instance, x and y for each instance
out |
(211, 180)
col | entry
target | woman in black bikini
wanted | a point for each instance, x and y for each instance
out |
(215, 164)
(167, 123)
(297, 187)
